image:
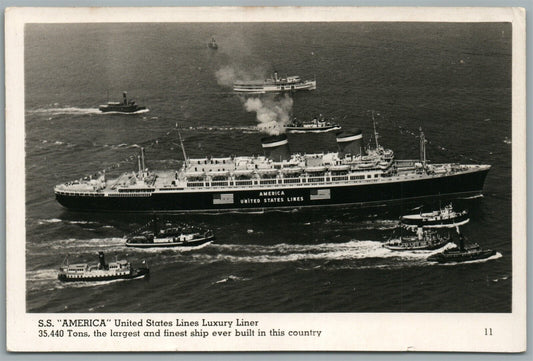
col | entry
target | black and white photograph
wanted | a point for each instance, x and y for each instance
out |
(263, 166)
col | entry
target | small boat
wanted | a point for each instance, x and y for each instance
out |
(425, 239)
(212, 44)
(169, 237)
(462, 253)
(83, 272)
(317, 124)
(444, 217)
(126, 106)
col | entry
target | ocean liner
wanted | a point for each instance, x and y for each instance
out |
(278, 179)
(274, 85)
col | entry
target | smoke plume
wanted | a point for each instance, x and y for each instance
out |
(272, 114)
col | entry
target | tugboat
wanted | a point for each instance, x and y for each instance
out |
(317, 125)
(425, 239)
(169, 237)
(274, 85)
(462, 253)
(444, 217)
(212, 44)
(100, 272)
(124, 107)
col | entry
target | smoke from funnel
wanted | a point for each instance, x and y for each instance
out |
(226, 76)
(229, 74)
(272, 115)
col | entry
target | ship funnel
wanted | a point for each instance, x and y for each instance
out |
(102, 264)
(276, 147)
(350, 143)
(125, 97)
(276, 78)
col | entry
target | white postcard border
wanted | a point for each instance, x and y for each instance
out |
(340, 331)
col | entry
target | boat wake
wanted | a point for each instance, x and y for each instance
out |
(77, 246)
(249, 129)
(65, 111)
(179, 249)
(352, 250)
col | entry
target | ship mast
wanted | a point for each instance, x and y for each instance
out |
(375, 132)
(422, 147)
(182, 146)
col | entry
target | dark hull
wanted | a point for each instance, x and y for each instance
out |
(362, 195)
(139, 272)
(121, 109)
(461, 256)
(427, 223)
(193, 243)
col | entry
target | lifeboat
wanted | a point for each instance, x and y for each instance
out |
(291, 170)
(267, 171)
(220, 173)
(243, 172)
(339, 168)
(194, 174)
(315, 169)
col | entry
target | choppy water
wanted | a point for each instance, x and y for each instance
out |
(454, 80)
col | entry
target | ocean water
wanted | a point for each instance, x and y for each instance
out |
(453, 80)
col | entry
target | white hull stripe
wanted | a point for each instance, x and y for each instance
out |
(349, 139)
(276, 144)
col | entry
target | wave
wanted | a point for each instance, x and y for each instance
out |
(47, 221)
(231, 278)
(56, 220)
(473, 197)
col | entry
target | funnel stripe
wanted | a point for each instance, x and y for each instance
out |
(349, 139)
(275, 144)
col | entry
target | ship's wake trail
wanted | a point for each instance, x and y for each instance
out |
(65, 111)
(249, 129)
(85, 247)
(341, 252)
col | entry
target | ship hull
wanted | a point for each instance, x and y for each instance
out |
(177, 244)
(416, 246)
(274, 88)
(461, 257)
(121, 109)
(250, 199)
(139, 272)
(436, 223)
